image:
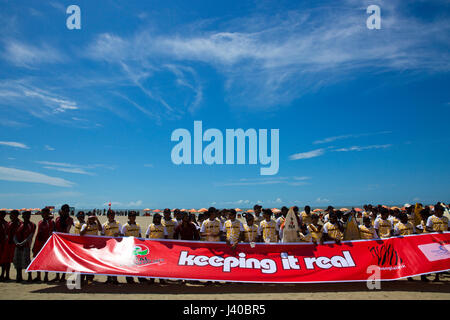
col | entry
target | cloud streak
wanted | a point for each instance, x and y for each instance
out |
(14, 144)
(12, 174)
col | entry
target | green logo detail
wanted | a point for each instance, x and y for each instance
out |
(140, 251)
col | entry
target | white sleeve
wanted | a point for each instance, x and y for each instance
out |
(148, 230)
(325, 228)
(396, 232)
(376, 225)
(123, 230)
(223, 228)
(103, 230)
(221, 225)
(120, 228)
(202, 228)
(278, 224)
(429, 222)
(83, 227)
(165, 231)
(241, 227)
(258, 231)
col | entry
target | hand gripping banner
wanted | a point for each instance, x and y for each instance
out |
(397, 257)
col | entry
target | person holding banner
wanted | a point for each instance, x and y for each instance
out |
(211, 228)
(383, 225)
(132, 229)
(111, 228)
(267, 227)
(251, 230)
(280, 220)
(169, 223)
(78, 224)
(233, 229)
(315, 228)
(186, 230)
(63, 224)
(92, 227)
(404, 227)
(44, 230)
(333, 229)
(156, 230)
(367, 230)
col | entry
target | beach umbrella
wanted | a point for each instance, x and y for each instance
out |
(238, 210)
(358, 209)
(276, 210)
(193, 210)
(250, 211)
(202, 210)
(184, 210)
(317, 210)
(343, 209)
(3, 209)
(147, 209)
(393, 208)
(174, 209)
(156, 210)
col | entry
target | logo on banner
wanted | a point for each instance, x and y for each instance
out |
(386, 256)
(435, 251)
(141, 256)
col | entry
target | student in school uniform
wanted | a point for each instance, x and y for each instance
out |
(306, 215)
(3, 239)
(44, 231)
(257, 209)
(63, 224)
(169, 223)
(22, 239)
(111, 228)
(251, 230)
(404, 227)
(132, 229)
(333, 229)
(280, 220)
(10, 246)
(437, 223)
(79, 222)
(383, 225)
(92, 227)
(267, 227)
(211, 228)
(366, 230)
(233, 229)
(156, 230)
(315, 228)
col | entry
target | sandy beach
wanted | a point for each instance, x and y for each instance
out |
(401, 289)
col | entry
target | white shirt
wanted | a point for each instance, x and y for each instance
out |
(164, 230)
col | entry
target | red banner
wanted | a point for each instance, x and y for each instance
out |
(396, 258)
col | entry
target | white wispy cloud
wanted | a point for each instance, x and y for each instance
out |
(263, 58)
(358, 148)
(307, 155)
(124, 205)
(12, 174)
(27, 55)
(70, 170)
(347, 136)
(14, 144)
(292, 181)
(47, 147)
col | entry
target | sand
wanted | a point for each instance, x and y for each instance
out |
(401, 289)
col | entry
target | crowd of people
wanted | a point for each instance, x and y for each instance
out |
(260, 225)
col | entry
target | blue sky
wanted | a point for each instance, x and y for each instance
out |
(87, 115)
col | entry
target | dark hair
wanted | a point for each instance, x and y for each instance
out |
(156, 215)
(267, 211)
(256, 206)
(232, 211)
(212, 210)
(167, 210)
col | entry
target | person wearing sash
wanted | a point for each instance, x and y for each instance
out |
(251, 230)
(233, 229)
(111, 228)
(333, 229)
(404, 227)
(257, 209)
(132, 229)
(211, 228)
(22, 239)
(10, 246)
(267, 227)
(437, 223)
(306, 215)
(92, 227)
(169, 223)
(383, 225)
(156, 230)
(315, 228)
(79, 223)
(366, 230)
